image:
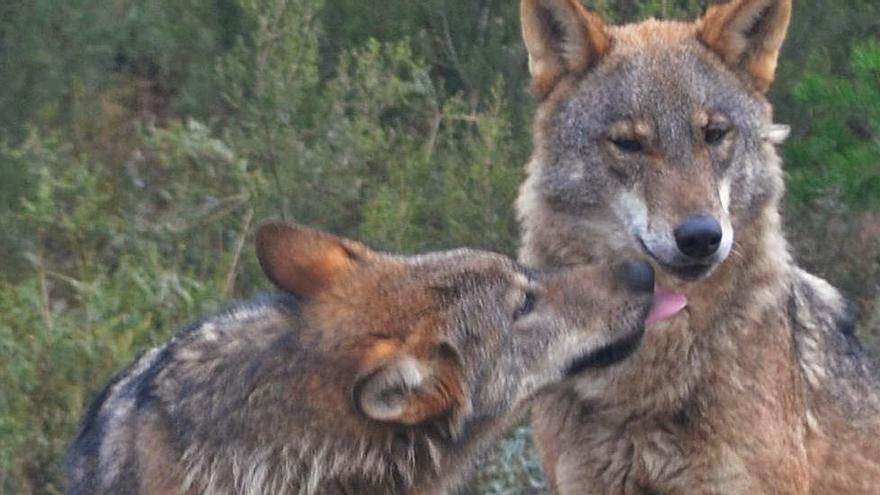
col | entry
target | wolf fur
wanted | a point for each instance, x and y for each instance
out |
(760, 385)
(370, 374)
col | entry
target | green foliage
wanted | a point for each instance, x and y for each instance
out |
(840, 154)
(113, 261)
(375, 150)
(62, 61)
(624, 10)
(141, 141)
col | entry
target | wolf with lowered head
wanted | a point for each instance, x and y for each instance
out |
(372, 374)
(657, 139)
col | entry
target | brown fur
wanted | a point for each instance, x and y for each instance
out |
(759, 386)
(548, 62)
(373, 374)
(754, 56)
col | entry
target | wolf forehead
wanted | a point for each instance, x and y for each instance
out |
(679, 82)
(405, 280)
(458, 271)
(399, 296)
(433, 280)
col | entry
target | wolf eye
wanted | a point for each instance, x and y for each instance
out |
(628, 145)
(527, 305)
(715, 135)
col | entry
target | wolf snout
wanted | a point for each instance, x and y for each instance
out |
(638, 276)
(698, 236)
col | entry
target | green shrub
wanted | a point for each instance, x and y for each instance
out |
(840, 154)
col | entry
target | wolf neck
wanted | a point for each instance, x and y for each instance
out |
(454, 458)
(734, 317)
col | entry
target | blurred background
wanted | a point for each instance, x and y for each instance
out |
(141, 140)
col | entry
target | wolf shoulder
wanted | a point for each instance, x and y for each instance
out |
(824, 325)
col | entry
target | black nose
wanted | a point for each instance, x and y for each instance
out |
(698, 236)
(639, 276)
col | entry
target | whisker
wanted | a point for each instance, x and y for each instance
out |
(736, 252)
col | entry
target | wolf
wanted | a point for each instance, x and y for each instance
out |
(370, 374)
(657, 139)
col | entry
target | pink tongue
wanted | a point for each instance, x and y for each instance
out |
(667, 303)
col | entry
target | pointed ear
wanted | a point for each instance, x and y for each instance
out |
(302, 261)
(747, 35)
(562, 37)
(408, 391)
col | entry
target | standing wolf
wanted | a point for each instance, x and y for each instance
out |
(657, 138)
(374, 375)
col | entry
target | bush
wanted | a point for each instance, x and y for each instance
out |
(839, 156)
(112, 266)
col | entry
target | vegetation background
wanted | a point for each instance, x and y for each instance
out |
(140, 140)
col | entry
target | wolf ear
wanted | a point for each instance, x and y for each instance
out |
(302, 261)
(407, 391)
(747, 35)
(562, 37)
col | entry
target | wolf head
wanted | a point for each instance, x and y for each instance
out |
(447, 336)
(651, 138)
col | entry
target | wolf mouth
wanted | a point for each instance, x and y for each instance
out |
(607, 355)
(688, 272)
